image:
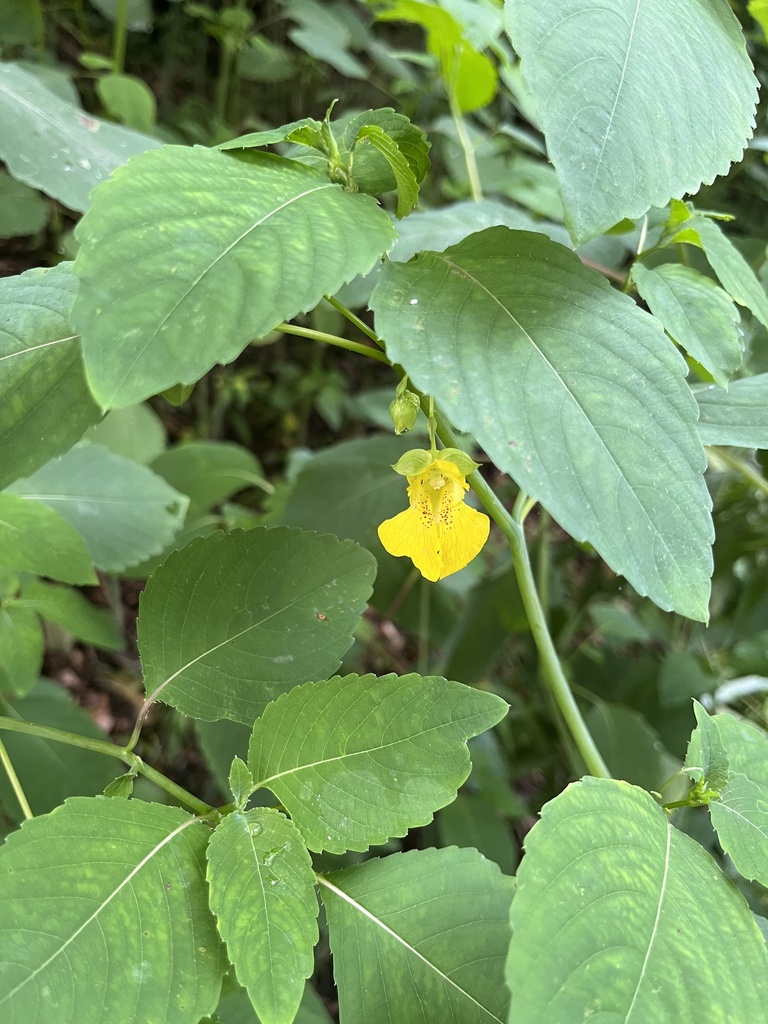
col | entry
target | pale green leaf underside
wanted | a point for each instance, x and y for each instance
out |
(188, 254)
(569, 388)
(620, 917)
(358, 759)
(262, 611)
(420, 937)
(125, 512)
(105, 917)
(740, 818)
(45, 403)
(738, 416)
(35, 538)
(263, 895)
(657, 97)
(53, 145)
(696, 313)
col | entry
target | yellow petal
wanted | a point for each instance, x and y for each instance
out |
(407, 534)
(463, 538)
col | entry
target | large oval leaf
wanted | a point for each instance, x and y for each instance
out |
(620, 917)
(105, 917)
(571, 389)
(657, 97)
(262, 611)
(188, 254)
(420, 937)
(263, 896)
(45, 403)
(355, 760)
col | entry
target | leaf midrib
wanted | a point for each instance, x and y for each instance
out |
(398, 938)
(102, 906)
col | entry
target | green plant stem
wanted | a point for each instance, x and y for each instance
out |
(37, 15)
(18, 789)
(332, 339)
(46, 732)
(741, 466)
(353, 319)
(228, 55)
(467, 148)
(553, 675)
(121, 36)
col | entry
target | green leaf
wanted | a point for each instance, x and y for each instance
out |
(34, 538)
(263, 895)
(271, 135)
(696, 313)
(619, 916)
(137, 433)
(51, 144)
(263, 611)
(735, 274)
(21, 648)
(421, 935)
(740, 818)
(546, 364)
(125, 512)
(468, 74)
(45, 402)
(370, 169)
(69, 609)
(239, 248)
(407, 186)
(736, 417)
(747, 747)
(105, 917)
(376, 756)
(448, 225)
(128, 99)
(22, 210)
(656, 98)
(349, 488)
(50, 772)
(707, 759)
(323, 34)
(240, 782)
(209, 472)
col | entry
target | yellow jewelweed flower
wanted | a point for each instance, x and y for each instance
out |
(438, 532)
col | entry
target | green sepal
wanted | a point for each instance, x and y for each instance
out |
(460, 459)
(414, 462)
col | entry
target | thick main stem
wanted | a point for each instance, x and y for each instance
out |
(552, 671)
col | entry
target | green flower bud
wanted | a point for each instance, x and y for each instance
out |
(404, 409)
